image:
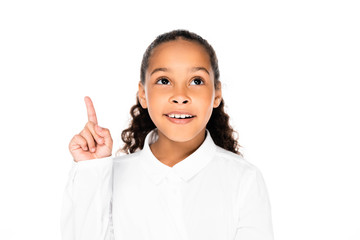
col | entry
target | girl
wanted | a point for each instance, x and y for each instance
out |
(182, 177)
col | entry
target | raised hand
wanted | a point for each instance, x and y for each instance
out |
(93, 141)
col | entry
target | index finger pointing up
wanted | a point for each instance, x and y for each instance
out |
(90, 110)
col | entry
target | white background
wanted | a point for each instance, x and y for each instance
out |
(290, 76)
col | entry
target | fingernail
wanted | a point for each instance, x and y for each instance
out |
(93, 149)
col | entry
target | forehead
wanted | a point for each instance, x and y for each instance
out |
(178, 53)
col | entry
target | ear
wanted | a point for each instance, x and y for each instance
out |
(142, 96)
(218, 95)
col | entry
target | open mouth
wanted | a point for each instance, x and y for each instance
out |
(179, 116)
(180, 119)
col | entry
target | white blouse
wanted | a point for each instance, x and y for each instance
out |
(213, 194)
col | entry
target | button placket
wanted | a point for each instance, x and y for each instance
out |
(175, 203)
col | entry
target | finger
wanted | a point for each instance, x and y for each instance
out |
(96, 136)
(80, 141)
(89, 139)
(90, 110)
(105, 133)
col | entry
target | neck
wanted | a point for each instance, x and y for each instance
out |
(170, 152)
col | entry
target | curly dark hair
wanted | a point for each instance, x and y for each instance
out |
(141, 124)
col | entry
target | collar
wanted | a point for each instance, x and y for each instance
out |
(185, 169)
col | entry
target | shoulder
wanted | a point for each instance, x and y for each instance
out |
(243, 174)
(126, 166)
(234, 163)
(126, 159)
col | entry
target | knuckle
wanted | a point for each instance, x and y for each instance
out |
(82, 140)
(92, 128)
(92, 140)
(83, 130)
(79, 139)
(82, 133)
(73, 138)
(91, 144)
(89, 124)
(76, 138)
(88, 138)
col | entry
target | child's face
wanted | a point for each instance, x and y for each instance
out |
(179, 88)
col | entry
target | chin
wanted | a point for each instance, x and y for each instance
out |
(179, 133)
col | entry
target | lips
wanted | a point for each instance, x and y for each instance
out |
(181, 121)
(179, 112)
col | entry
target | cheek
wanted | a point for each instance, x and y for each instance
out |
(155, 99)
(205, 101)
(205, 96)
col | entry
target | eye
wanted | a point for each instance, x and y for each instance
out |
(162, 80)
(198, 80)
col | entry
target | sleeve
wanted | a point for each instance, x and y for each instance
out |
(254, 218)
(87, 200)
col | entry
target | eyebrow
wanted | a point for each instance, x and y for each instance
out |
(194, 69)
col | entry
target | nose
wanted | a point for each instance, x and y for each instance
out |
(181, 101)
(180, 96)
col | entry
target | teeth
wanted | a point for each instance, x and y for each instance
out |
(179, 115)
